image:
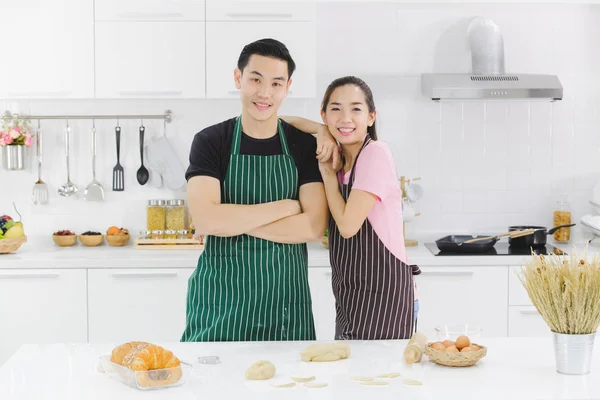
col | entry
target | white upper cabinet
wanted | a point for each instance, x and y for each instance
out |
(149, 10)
(260, 10)
(48, 49)
(152, 59)
(225, 41)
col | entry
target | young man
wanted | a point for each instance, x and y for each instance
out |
(255, 191)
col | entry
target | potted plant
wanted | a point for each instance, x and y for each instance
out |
(566, 292)
(15, 138)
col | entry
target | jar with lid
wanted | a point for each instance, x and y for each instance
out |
(156, 215)
(182, 234)
(158, 234)
(562, 216)
(175, 215)
(170, 234)
(145, 235)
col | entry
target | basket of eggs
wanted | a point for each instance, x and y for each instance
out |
(116, 236)
(461, 353)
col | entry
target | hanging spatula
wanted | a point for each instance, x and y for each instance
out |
(118, 173)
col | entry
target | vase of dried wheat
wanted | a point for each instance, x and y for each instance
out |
(566, 292)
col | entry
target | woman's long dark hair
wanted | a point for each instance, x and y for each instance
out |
(352, 80)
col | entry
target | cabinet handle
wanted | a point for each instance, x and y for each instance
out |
(136, 274)
(25, 275)
(39, 94)
(260, 15)
(529, 312)
(132, 15)
(464, 272)
(150, 93)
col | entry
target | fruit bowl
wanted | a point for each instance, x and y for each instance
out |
(117, 240)
(11, 245)
(65, 240)
(460, 359)
(91, 240)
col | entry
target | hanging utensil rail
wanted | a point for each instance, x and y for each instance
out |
(167, 116)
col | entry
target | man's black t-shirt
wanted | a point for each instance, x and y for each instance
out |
(211, 150)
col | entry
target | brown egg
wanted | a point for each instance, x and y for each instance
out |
(438, 346)
(447, 343)
(452, 349)
(462, 341)
(467, 349)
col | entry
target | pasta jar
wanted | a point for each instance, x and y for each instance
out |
(156, 215)
(175, 215)
(562, 216)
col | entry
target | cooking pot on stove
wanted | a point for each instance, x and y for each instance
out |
(537, 239)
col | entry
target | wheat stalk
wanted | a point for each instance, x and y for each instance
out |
(565, 291)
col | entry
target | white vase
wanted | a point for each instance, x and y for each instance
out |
(573, 353)
(14, 157)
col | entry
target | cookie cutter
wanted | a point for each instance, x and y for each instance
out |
(210, 360)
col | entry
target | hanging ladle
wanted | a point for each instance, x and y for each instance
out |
(142, 173)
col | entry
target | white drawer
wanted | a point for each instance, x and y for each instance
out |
(526, 321)
(517, 295)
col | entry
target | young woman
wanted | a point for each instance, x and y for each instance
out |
(372, 282)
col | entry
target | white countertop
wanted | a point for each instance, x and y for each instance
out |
(41, 252)
(514, 368)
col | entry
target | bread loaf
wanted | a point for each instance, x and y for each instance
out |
(146, 358)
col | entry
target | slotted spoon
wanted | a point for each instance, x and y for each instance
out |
(39, 194)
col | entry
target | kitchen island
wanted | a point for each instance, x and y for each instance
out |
(514, 368)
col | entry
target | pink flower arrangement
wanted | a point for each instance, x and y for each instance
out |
(15, 132)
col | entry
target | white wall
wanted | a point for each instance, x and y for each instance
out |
(483, 165)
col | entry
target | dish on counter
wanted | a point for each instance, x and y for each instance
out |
(64, 238)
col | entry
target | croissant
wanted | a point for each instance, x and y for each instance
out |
(146, 358)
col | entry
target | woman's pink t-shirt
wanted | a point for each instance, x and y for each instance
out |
(375, 173)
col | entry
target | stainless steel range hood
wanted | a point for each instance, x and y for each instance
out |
(491, 87)
(488, 81)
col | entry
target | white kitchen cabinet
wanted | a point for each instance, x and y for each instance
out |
(472, 295)
(137, 304)
(48, 49)
(526, 321)
(155, 59)
(274, 10)
(41, 306)
(517, 295)
(225, 41)
(149, 10)
(323, 302)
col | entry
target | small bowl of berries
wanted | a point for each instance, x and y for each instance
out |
(91, 238)
(64, 238)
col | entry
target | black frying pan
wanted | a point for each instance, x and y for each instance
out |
(538, 238)
(453, 244)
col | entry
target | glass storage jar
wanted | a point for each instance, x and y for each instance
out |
(182, 234)
(170, 234)
(562, 216)
(175, 215)
(158, 234)
(156, 215)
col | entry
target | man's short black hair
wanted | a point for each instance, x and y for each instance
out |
(267, 48)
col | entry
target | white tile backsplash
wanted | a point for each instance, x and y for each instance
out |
(484, 165)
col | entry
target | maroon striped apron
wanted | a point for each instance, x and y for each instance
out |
(374, 290)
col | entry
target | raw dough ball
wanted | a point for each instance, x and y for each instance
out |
(260, 370)
(326, 352)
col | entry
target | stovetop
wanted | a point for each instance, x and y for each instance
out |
(500, 249)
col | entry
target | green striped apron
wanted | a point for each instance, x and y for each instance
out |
(245, 288)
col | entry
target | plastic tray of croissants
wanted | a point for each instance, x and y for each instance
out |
(145, 366)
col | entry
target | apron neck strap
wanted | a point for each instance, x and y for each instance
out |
(367, 141)
(237, 137)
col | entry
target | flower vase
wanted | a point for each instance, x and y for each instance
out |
(14, 157)
(573, 353)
